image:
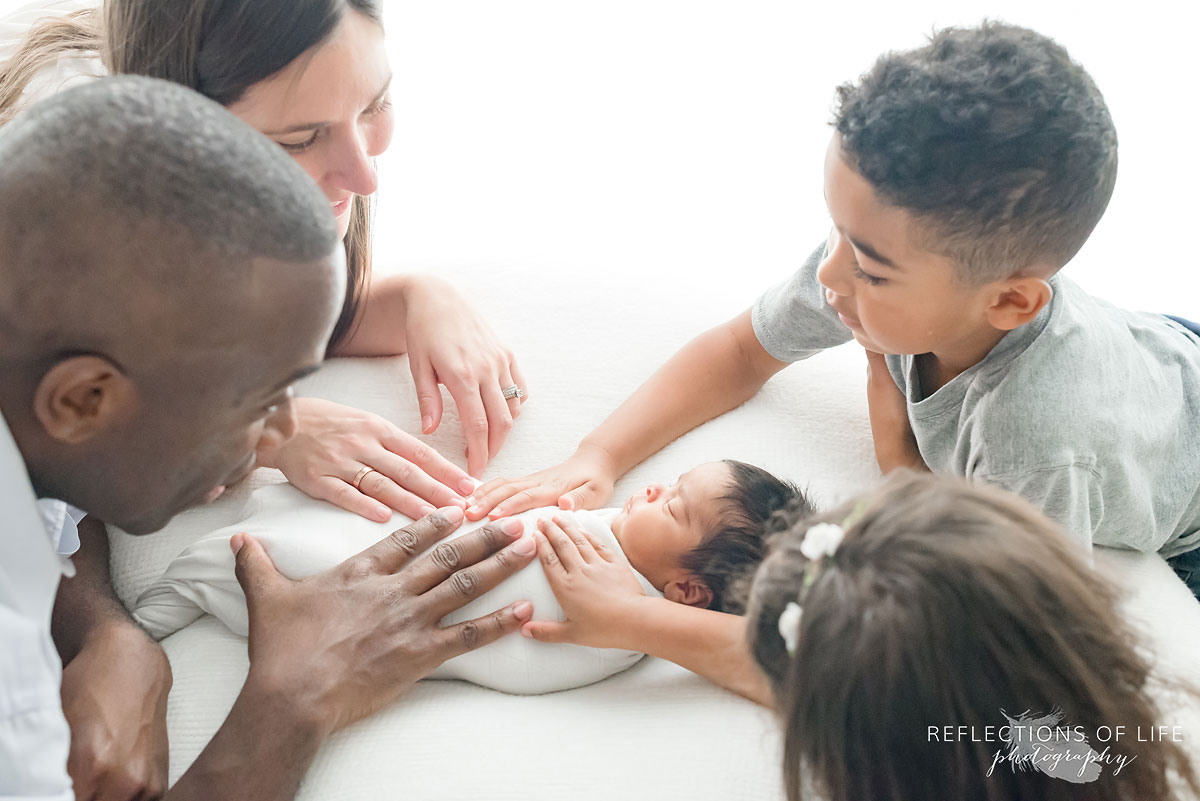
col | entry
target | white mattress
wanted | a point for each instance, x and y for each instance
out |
(656, 730)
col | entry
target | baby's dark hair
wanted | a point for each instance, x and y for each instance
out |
(737, 543)
(995, 140)
(948, 604)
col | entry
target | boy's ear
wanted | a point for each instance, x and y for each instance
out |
(1017, 301)
(689, 590)
(82, 396)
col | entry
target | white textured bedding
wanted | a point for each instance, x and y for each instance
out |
(654, 730)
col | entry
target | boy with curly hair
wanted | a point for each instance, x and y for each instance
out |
(961, 177)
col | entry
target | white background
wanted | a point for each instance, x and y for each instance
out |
(653, 141)
(661, 141)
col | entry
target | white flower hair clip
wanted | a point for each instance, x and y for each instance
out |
(820, 541)
(789, 626)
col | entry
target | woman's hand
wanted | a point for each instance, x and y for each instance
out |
(334, 444)
(114, 695)
(449, 343)
(585, 481)
(895, 443)
(592, 584)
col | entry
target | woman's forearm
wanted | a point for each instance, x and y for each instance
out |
(379, 327)
(712, 644)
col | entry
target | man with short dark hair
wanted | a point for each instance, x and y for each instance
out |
(166, 274)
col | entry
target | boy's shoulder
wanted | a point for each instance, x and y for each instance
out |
(1082, 376)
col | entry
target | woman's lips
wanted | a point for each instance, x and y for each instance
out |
(342, 206)
(849, 322)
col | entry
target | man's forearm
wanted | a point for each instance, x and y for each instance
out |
(712, 644)
(260, 753)
(86, 604)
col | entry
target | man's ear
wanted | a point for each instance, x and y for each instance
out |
(1017, 301)
(82, 396)
(689, 590)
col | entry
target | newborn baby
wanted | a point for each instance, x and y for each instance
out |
(685, 542)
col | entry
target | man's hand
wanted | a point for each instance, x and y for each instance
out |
(344, 643)
(895, 444)
(114, 695)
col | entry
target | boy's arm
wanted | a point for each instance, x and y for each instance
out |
(891, 431)
(715, 372)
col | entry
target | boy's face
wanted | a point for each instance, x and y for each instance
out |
(893, 296)
(658, 525)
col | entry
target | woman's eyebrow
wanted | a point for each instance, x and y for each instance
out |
(312, 126)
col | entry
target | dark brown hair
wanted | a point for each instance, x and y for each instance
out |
(220, 48)
(999, 144)
(948, 604)
(736, 544)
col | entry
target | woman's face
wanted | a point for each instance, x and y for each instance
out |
(330, 108)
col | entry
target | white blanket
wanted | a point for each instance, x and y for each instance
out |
(654, 730)
(306, 536)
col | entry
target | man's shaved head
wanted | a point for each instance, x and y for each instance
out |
(145, 228)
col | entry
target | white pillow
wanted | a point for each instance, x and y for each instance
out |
(306, 536)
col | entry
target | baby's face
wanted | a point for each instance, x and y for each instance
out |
(658, 525)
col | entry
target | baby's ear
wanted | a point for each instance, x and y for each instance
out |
(689, 590)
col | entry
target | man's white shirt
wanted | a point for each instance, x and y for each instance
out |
(34, 740)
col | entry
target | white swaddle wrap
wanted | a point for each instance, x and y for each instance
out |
(305, 536)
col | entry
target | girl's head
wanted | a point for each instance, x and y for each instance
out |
(945, 604)
(312, 75)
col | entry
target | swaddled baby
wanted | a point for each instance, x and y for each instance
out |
(685, 542)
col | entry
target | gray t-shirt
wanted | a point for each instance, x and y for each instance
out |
(1088, 411)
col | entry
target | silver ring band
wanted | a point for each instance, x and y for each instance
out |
(512, 391)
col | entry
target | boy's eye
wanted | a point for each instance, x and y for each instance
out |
(873, 280)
